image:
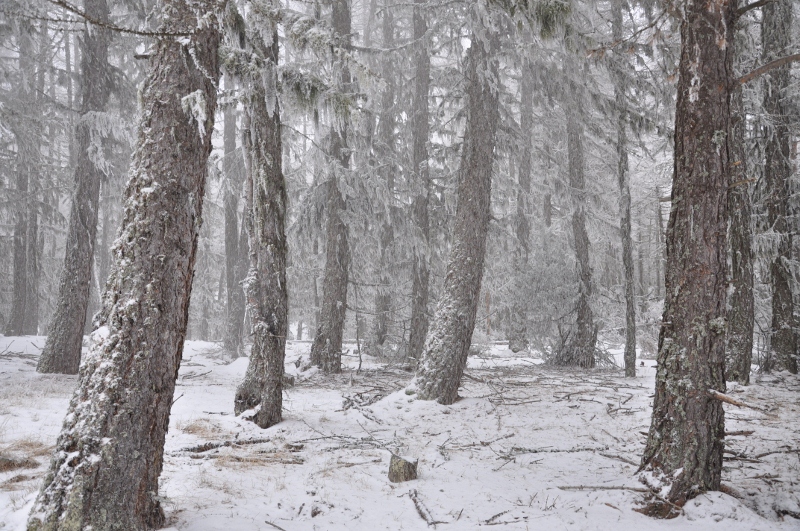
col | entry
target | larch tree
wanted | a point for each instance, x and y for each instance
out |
(686, 437)
(447, 344)
(109, 455)
(776, 29)
(266, 288)
(326, 350)
(62, 351)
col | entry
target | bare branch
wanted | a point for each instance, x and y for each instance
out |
(777, 63)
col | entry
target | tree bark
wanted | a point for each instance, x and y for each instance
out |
(326, 350)
(62, 351)
(686, 436)
(104, 473)
(447, 345)
(518, 326)
(619, 69)
(419, 160)
(776, 26)
(578, 349)
(741, 319)
(234, 300)
(266, 288)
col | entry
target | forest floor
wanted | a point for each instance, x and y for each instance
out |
(527, 447)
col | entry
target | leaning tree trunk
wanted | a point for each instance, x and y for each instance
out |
(619, 70)
(326, 350)
(686, 437)
(447, 345)
(518, 326)
(62, 351)
(419, 154)
(578, 349)
(741, 319)
(776, 29)
(234, 300)
(267, 297)
(104, 473)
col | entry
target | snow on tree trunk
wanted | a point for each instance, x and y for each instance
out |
(326, 350)
(62, 351)
(447, 345)
(266, 288)
(619, 71)
(776, 31)
(741, 320)
(518, 326)
(104, 473)
(234, 301)
(686, 436)
(419, 154)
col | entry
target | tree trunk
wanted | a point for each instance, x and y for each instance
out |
(104, 473)
(27, 135)
(741, 320)
(267, 297)
(578, 349)
(686, 437)
(234, 301)
(386, 127)
(419, 160)
(62, 351)
(518, 326)
(447, 345)
(776, 29)
(326, 350)
(619, 69)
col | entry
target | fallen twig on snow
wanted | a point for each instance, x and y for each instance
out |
(423, 511)
(212, 445)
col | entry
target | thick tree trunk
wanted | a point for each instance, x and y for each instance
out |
(104, 473)
(234, 301)
(776, 33)
(518, 325)
(419, 159)
(62, 351)
(447, 345)
(386, 127)
(741, 320)
(578, 349)
(267, 297)
(326, 350)
(686, 437)
(620, 67)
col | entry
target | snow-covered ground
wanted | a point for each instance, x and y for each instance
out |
(528, 447)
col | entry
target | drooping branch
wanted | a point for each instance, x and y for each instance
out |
(772, 65)
(107, 25)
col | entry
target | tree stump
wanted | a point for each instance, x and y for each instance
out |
(401, 470)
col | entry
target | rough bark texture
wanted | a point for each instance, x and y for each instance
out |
(741, 320)
(578, 349)
(234, 301)
(447, 345)
(518, 325)
(776, 29)
(419, 146)
(104, 473)
(62, 351)
(326, 350)
(623, 178)
(267, 297)
(27, 132)
(686, 437)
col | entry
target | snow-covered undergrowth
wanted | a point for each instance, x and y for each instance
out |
(528, 447)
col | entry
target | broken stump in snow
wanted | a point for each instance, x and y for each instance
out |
(401, 470)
